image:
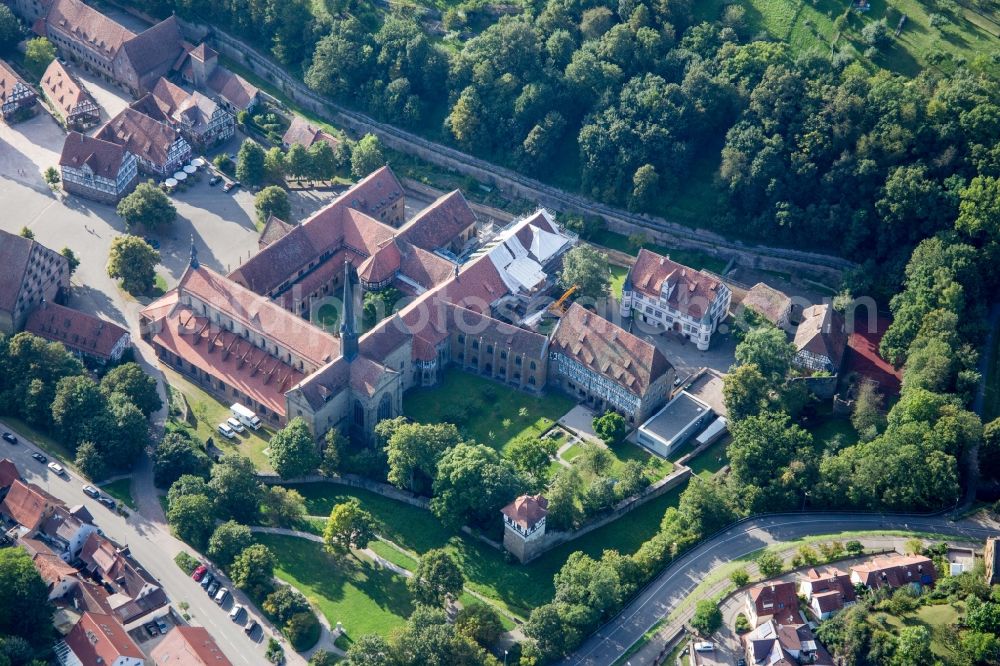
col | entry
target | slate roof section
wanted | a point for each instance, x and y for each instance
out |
(89, 25)
(609, 350)
(527, 510)
(77, 331)
(189, 646)
(694, 291)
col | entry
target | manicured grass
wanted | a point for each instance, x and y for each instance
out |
(487, 405)
(618, 274)
(365, 597)
(382, 549)
(519, 588)
(121, 490)
(693, 258)
(54, 448)
(935, 618)
(572, 452)
(710, 461)
(833, 433)
(208, 413)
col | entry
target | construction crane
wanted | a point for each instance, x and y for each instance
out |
(558, 308)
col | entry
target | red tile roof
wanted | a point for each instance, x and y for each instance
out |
(28, 504)
(98, 640)
(440, 223)
(693, 291)
(88, 26)
(233, 88)
(52, 568)
(274, 230)
(382, 265)
(775, 599)
(300, 131)
(8, 473)
(189, 646)
(527, 510)
(104, 158)
(767, 301)
(63, 89)
(895, 571)
(78, 331)
(141, 135)
(609, 350)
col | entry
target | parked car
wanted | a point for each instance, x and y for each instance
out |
(214, 180)
(153, 243)
(704, 646)
(207, 580)
(250, 628)
(10, 438)
(108, 502)
(91, 491)
(235, 613)
(199, 573)
(161, 625)
(235, 424)
(220, 596)
(39, 457)
(226, 431)
(213, 588)
(57, 468)
(151, 629)
(230, 186)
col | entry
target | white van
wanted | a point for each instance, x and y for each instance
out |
(245, 416)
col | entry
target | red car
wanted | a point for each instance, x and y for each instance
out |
(199, 572)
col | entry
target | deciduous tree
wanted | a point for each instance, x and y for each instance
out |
(587, 269)
(147, 206)
(227, 541)
(192, 518)
(236, 488)
(26, 611)
(134, 261)
(131, 381)
(472, 484)
(292, 450)
(437, 578)
(366, 156)
(253, 568)
(272, 200)
(349, 526)
(250, 167)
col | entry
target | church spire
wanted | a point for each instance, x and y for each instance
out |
(348, 336)
(194, 254)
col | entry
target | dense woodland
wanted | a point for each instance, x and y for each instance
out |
(619, 99)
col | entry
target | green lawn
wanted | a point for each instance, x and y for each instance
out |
(208, 413)
(365, 597)
(832, 433)
(693, 258)
(519, 588)
(618, 274)
(480, 407)
(710, 461)
(935, 618)
(121, 490)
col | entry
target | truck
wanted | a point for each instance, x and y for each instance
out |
(245, 416)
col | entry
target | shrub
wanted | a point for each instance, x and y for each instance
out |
(302, 630)
(742, 624)
(707, 617)
(186, 562)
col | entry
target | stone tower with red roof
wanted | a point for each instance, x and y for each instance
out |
(524, 526)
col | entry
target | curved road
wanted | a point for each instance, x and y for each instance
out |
(679, 579)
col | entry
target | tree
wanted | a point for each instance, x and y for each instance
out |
(297, 161)
(274, 164)
(769, 564)
(334, 452)
(223, 163)
(472, 484)
(768, 348)
(587, 269)
(176, 455)
(51, 176)
(301, 630)
(366, 156)
(284, 602)
(38, 54)
(979, 208)
(876, 33)
(27, 233)
(979, 647)
(10, 30)
(147, 205)
(227, 541)
(253, 568)
(531, 456)
(128, 433)
(191, 517)
(551, 635)
(250, 167)
(134, 261)
(596, 458)
(292, 450)
(236, 488)
(283, 506)
(79, 411)
(767, 455)
(370, 650)
(414, 449)
(913, 647)
(866, 416)
(322, 161)
(564, 513)
(480, 622)
(854, 548)
(71, 259)
(644, 184)
(740, 577)
(131, 381)
(707, 617)
(274, 653)
(611, 427)
(188, 484)
(90, 461)
(437, 578)
(26, 611)
(272, 200)
(989, 450)
(745, 391)
(349, 526)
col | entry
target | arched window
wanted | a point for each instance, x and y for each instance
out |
(489, 349)
(461, 339)
(532, 366)
(385, 407)
(359, 415)
(475, 344)
(531, 380)
(517, 361)
(503, 354)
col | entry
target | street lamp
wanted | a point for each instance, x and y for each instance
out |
(505, 658)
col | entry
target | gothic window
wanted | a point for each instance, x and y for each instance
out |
(385, 408)
(489, 349)
(359, 415)
(517, 361)
(503, 355)
(532, 366)
(475, 344)
(461, 339)
(531, 380)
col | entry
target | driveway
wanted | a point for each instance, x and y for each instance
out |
(154, 549)
(684, 355)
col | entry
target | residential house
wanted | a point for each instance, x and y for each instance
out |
(200, 120)
(8, 475)
(89, 337)
(773, 305)
(607, 368)
(820, 339)
(75, 106)
(828, 592)
(29, 274)
(201, 69)
(66, 533)
(59, 576)
(894, 571)
(96, 169)
(159, 148)
(301, 131)
(772, 600)
(17, 98)
(188, 646)
(98, 640)
(28, 505)
(772, 643)
(672, 297)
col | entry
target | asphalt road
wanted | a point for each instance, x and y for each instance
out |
(154, 549)
(678, 580)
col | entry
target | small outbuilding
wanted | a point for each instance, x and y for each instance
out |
(671, 427)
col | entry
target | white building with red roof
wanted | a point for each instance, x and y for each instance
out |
(524, 525)
(98, 640)
(666, 295)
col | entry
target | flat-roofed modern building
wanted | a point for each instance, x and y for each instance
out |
(671, 427)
